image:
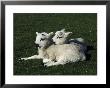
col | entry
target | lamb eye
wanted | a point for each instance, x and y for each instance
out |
(43, 34)
(42, 39)
(59, 37)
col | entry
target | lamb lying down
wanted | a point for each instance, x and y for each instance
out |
(62, 37)
(55, 54)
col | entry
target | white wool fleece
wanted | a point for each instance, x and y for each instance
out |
(66, 53)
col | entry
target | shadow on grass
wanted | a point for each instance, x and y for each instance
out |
(88, 54)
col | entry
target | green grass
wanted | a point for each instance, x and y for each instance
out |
(25, 25)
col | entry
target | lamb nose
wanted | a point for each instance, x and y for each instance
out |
(37, 45)
(53, 42)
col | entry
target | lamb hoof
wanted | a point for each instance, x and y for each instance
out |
(24, 58)
(47, 65)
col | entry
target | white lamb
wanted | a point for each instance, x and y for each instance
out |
(62, 37)
(55, 54)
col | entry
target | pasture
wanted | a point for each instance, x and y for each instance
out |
(25, 26)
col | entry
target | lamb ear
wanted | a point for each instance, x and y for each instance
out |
(68, 33)
(50, 34)
(37, 33)
(63, 30)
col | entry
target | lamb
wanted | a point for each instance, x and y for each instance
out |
(62, 37)
(55, 54)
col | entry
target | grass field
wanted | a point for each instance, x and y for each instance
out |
(25, 26)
